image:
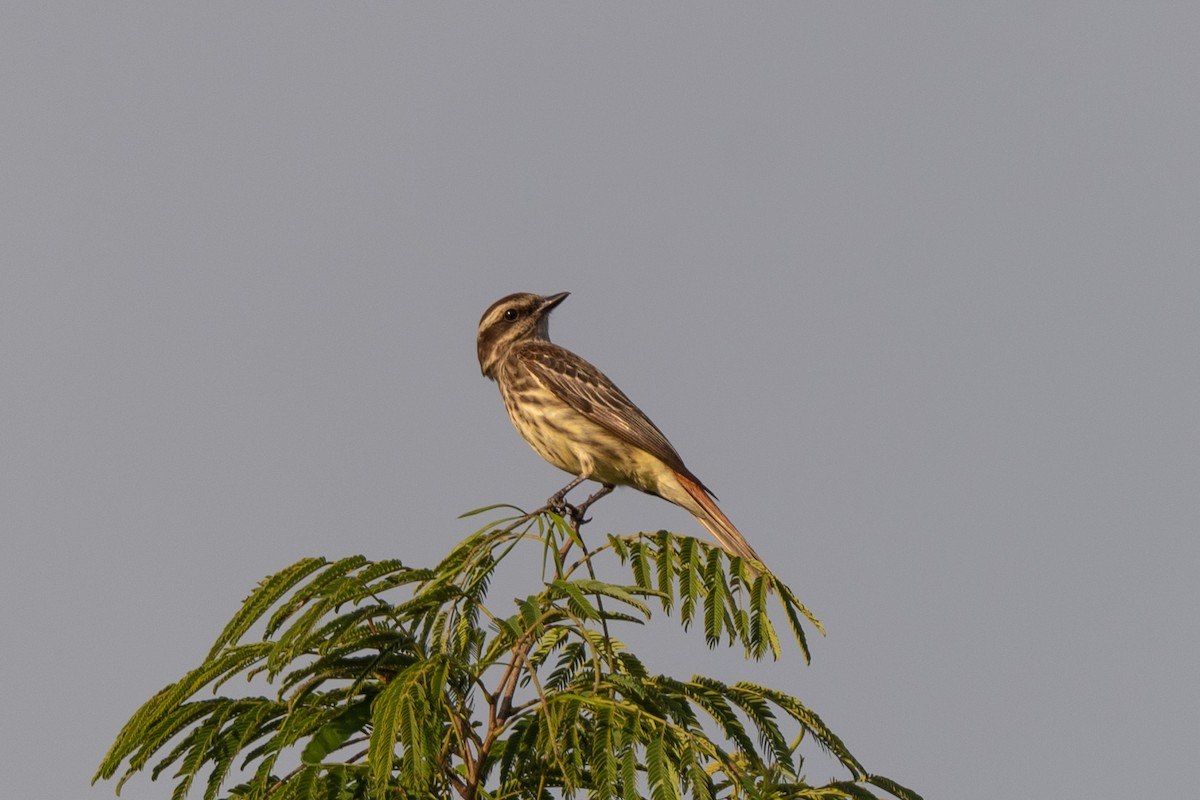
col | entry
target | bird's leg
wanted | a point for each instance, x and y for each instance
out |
(558, 501)
(575, 514)
(578, 512)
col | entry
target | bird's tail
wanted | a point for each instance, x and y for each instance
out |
(696, 500)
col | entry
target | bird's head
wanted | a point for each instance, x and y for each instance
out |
(518, 317)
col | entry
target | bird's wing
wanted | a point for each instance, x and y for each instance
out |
(590, 392)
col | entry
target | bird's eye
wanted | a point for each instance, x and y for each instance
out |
(511, 314)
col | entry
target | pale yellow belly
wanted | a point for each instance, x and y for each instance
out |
(579, 446)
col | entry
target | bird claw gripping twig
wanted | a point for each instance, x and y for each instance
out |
(577, 512)
(558, 502)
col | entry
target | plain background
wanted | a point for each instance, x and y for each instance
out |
(913, 287)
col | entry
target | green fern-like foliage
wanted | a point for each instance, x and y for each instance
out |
(397, 682)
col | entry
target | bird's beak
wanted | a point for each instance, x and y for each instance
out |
(553, 300)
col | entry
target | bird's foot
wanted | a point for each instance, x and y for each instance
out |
(558, 500)
(577, 512)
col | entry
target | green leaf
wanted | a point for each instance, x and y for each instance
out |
(664, 569)
(689, 579)
(492, 507)
(712, 695)
(792, 608)
(714, 600)
(385, 728)
(762, 633)
(268, 593)
(893, 788)
(254, 719)
(637, 559)
(656, 771)
(811, 722)
(846, 789)
(333, 734)
(625, 594)
(578, 603)
(337, 572)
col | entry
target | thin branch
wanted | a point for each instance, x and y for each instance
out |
(577, 521)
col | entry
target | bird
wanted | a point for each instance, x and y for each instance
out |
(573, 416)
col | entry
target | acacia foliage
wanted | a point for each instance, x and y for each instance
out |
(401, 682)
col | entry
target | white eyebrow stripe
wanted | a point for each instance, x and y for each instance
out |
(494, 316)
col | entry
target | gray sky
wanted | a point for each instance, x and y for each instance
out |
(914, 288)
